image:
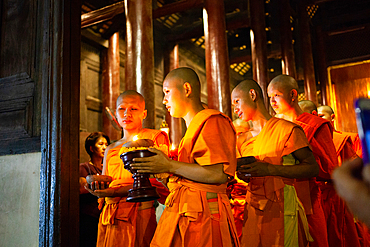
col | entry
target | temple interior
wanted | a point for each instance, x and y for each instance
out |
(320, 43)
(63, 64)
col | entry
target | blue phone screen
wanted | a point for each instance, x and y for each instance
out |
(366, 127)
(362, 109)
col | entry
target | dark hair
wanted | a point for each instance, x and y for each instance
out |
(91, 141)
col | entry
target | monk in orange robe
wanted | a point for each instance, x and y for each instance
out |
(273, 215)
(197, 210)
(327, 113)
(124, 223)
(343, 229)
(283, 91)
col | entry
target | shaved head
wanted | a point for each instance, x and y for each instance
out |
(184, 75)
(326, 112)
(285, 83)
(326, 108)
(134, 94)
(307, 106)
(245, 86)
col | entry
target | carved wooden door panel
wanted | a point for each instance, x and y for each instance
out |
(19, 88)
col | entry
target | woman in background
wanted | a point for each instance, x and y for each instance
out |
(95, 145)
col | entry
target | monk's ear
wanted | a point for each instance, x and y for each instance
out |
(294, 94)
(253, 94)
(187, 88)
(332, 116)
(314, 112)
(145, 113)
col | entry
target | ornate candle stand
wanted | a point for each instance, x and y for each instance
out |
(142, 188)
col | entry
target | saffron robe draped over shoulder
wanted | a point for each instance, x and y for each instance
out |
(124, 223)
(319, 133)
(344, 146)
(190, 218)
(356, 142)
(273, 212)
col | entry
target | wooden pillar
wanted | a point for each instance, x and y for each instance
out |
(307, 59)
(322, 67)
(111, 84)
(139, 69)
(287, 50)
(217, 59)
(171, 62)
(58, 65)
(258, 45)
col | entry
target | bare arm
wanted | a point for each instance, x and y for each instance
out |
(82, 182)
(160, 163)
(306, 168)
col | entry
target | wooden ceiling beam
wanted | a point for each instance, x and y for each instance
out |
(233, 21)
(101, 15)
(110, 11)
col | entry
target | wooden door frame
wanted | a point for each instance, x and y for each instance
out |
(58, 69)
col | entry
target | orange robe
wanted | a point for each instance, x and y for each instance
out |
(341, 226)
(124, 223)
(237, 189)
(190, 217)
(344, 146)
(356, 142)
(319, 133)
(273, 215)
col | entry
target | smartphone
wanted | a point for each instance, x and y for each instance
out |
(362, 110)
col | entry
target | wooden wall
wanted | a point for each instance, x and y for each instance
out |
(20, 93)
(348, 82)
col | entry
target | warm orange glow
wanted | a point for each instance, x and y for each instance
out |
(135, 138)
(173, 147)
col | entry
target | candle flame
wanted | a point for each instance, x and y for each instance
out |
(135, 138)
(173, 147)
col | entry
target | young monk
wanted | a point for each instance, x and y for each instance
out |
(197, 211)
(327, 113)
(124, 223)
(273, 215)
(308, 106)
(283, 93)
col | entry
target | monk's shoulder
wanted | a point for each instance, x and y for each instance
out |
(220, 120)
(312, 120)
(114, 145)
(283, 125)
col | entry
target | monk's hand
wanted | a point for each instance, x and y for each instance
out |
(109, 192)
(158, 163)
(256, 169)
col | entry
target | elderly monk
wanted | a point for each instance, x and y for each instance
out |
(283, 93)
(197, 210)
(273, 215)
(342, 229)
(124, 223)
(327, 113)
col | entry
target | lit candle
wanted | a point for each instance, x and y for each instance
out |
(174, 152)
